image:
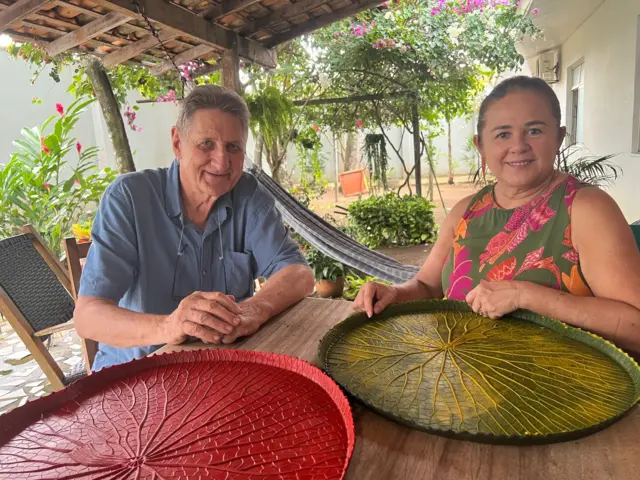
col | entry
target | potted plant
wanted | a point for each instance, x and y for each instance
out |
(329, 274)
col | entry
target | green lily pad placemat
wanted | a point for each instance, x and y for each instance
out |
(439, 367)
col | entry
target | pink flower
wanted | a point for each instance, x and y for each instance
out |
(76, 181)
(78, 148)
(43, 146)
(359, 123)
(47, 186)
(535, 11)
(390, 43)
(60, 108)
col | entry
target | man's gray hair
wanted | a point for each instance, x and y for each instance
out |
(216, 98)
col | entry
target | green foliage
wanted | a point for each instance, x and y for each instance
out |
(391, 220)
(311, 163)
(271, 114)
(323, 267)
(445, 58)
(598, 171)
(353, 284)
(51, 180)
(123, 78)
(375, 152)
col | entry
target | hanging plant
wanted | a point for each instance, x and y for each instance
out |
(375, 151)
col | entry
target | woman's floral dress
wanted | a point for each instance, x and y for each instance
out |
(531, 243)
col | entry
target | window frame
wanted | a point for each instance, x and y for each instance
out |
(571, 88)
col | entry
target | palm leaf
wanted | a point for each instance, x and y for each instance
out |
(439, 367)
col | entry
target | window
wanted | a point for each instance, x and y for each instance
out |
(635, 148)
(576, 103)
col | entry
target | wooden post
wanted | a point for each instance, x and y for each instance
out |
(231, 69)
(416, 144)
(336, 154)
(115, 125)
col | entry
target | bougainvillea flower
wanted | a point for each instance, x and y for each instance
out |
(359, 123)
(60, 108)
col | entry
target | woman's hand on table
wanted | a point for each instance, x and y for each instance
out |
(374, 297)
(495, 299)
(208, 316)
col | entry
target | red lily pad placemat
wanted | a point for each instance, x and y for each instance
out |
(227, 414)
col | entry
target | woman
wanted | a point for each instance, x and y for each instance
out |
(537, 239)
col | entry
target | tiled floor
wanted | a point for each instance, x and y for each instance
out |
(21, 379)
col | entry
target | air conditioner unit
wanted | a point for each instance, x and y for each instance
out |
(549, 66)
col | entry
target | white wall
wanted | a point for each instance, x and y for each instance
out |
(607, 42)
(152, 147)
(16, 110)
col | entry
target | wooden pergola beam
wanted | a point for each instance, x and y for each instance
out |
(19, 10)
(137, 48)
(320, 22)
(225, 8)
(191, 25)
(298, 8)
(182, 57)
(87, 32)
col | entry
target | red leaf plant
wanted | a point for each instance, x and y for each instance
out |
(228, 414)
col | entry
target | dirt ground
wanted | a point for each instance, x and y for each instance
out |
(415, 255)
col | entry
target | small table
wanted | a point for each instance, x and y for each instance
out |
(385, 450)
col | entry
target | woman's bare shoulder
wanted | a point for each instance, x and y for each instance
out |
(458, 211)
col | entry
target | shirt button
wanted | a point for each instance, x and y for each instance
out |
(204, 272)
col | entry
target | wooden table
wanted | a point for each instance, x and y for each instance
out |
(385, 450)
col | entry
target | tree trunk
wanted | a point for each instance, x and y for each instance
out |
(275, 160)
(348, 159)
(257, 152)
(450, 152)
(115, 125)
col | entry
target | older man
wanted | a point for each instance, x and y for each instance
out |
(176, 250)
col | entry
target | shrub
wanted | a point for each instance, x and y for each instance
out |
(391, 220)
(353, 284)
(34, 188)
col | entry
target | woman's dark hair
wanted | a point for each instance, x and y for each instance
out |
(513, 84)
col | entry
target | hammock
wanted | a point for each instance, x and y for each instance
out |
(331, 241)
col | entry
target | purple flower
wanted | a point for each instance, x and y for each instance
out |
(535, 11)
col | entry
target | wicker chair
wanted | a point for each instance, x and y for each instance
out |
(35, 297)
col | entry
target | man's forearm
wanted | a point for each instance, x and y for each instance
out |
(288, 286)
(103, 321)
(613, 320)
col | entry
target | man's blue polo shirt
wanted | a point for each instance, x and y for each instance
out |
(138, 232)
